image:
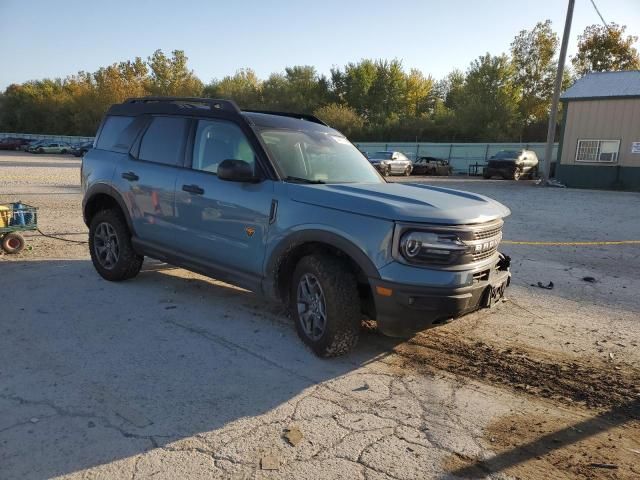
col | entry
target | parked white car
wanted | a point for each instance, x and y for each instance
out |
(391, 163)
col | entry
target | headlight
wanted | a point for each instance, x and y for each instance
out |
(446, 245)
(431, 247)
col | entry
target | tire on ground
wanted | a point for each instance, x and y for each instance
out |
(342, 304)
(13, 243)
(129, 262)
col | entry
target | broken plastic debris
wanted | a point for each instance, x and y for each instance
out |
(270, 462)
(293, 435)
(362, 388)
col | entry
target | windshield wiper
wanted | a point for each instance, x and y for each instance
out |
(304, 180)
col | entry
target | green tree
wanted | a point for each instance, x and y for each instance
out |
(488, 107)
(419, 93)
(387, 96)
(603, 49)
(352, 86)
(171, 77)
(244, 87)
(299, 89)
(342, 118)
(533, 58)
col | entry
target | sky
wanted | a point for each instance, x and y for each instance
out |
(56, 38)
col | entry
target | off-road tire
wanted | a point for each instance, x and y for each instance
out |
(129, 262)
(342, 304)
(13, 243)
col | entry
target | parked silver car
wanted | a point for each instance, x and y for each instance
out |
(50, 147)
(389, 163)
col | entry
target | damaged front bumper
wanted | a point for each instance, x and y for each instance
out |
(403, 309)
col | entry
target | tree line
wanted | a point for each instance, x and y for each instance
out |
(502, 97)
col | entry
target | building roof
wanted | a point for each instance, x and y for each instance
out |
(605, 85)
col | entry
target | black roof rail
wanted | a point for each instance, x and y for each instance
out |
(228, 105)
(302, 116)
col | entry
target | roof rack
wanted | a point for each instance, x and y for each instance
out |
(302, 116)
(228, 105)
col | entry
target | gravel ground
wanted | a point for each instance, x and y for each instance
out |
(174, 375)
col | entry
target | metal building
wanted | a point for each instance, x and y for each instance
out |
(600, 134)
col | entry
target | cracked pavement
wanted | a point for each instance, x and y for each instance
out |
(174, 375)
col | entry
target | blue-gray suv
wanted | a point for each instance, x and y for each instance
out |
(287, 207)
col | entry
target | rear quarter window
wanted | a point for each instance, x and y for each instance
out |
(112, 129)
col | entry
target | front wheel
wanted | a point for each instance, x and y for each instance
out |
(325, 305)
(407, 171)
(110, 247)
(517, 174)
(63, 152)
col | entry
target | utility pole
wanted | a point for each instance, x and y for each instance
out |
(553, 114)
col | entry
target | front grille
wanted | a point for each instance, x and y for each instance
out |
(489, 232)
(484, 255)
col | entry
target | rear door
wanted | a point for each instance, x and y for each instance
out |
(222, 223)
(146, 177)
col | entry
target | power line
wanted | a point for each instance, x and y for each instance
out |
(599, 14)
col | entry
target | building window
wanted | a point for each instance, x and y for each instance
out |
(598, 151)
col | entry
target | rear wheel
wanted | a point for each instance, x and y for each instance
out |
(63, 151)
(110, 247)
(13, 243)
(407, 171)
(325, 305)
(40, 150)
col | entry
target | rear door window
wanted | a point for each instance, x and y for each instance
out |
(164, 140)
(113, 126)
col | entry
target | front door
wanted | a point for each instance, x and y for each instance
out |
(222, 223)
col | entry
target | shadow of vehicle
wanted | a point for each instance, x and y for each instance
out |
(93, 371)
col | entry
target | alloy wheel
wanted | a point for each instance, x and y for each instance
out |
(312, 311)
(106, 245)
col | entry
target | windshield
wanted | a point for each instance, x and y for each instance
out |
(318, 157)
(506, 154)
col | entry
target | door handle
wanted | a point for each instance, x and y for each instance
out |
(195, 189)
(132, 177)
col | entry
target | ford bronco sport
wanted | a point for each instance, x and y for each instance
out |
(285, 206)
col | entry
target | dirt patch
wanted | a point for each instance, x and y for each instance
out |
(544, 445)
(587, 382)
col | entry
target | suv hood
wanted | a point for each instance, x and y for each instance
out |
(408, 202)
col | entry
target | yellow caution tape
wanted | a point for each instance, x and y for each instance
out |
(572, 244)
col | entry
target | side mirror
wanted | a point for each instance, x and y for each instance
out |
(237, 171)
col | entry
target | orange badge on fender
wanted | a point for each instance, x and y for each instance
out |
(250, 231)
